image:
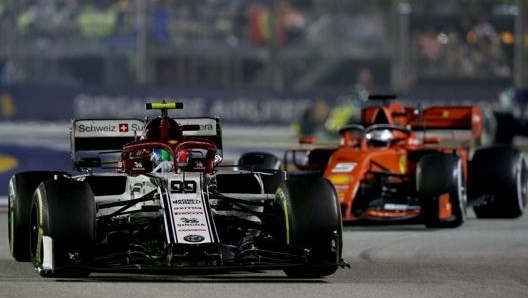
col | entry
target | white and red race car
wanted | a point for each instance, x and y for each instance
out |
(152, 197)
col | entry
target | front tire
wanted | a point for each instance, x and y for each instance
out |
(62, 228)
(312, 221)
(440, 185)
(20, 194)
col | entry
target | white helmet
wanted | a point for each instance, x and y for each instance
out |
(379, 138)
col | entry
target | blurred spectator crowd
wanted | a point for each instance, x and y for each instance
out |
(235, 22)
(464, 38)
(468, 46)
(168, 21)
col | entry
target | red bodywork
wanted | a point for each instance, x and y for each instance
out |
(452, 118)
(357, 165)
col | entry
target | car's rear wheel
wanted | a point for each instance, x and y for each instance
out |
(502, 129)
(20, 194)
(440, 185)
(497, 182)
(312, 220)
(62, 222)
(256, 161)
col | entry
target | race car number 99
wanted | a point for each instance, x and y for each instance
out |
(183, 186)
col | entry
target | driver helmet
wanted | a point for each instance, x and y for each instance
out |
(159, 155)
(380, 138)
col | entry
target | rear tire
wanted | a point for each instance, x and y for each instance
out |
(497, 182)
(256, 161)
(312, 221)
(503, 128)
(439, 174)
(62, 228)
(21, 188)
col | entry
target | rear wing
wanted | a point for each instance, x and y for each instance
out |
(449, 118)
(104, 134)
(203, 127)
(91, 138)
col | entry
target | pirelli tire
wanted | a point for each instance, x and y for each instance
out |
(256, 160)
(312, 220)
(439, 174)
(497, 182)
(20, 194)
(62, 222)
(502, 128)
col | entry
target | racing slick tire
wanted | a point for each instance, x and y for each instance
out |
(259, 161)
(312, 221)
(497, 182)
(439, 174)
(500, 128)
(62, 222)
(21, 188)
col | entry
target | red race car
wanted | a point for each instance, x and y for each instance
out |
(409, 164)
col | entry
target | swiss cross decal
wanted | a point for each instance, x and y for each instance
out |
(123, 127)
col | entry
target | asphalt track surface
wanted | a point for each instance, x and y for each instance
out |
(483, 258)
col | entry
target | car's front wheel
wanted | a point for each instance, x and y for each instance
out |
(20, 193)
(312, 220)
(440, 185)
(62, 228)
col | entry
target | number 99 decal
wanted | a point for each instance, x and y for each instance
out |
(189, 186)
